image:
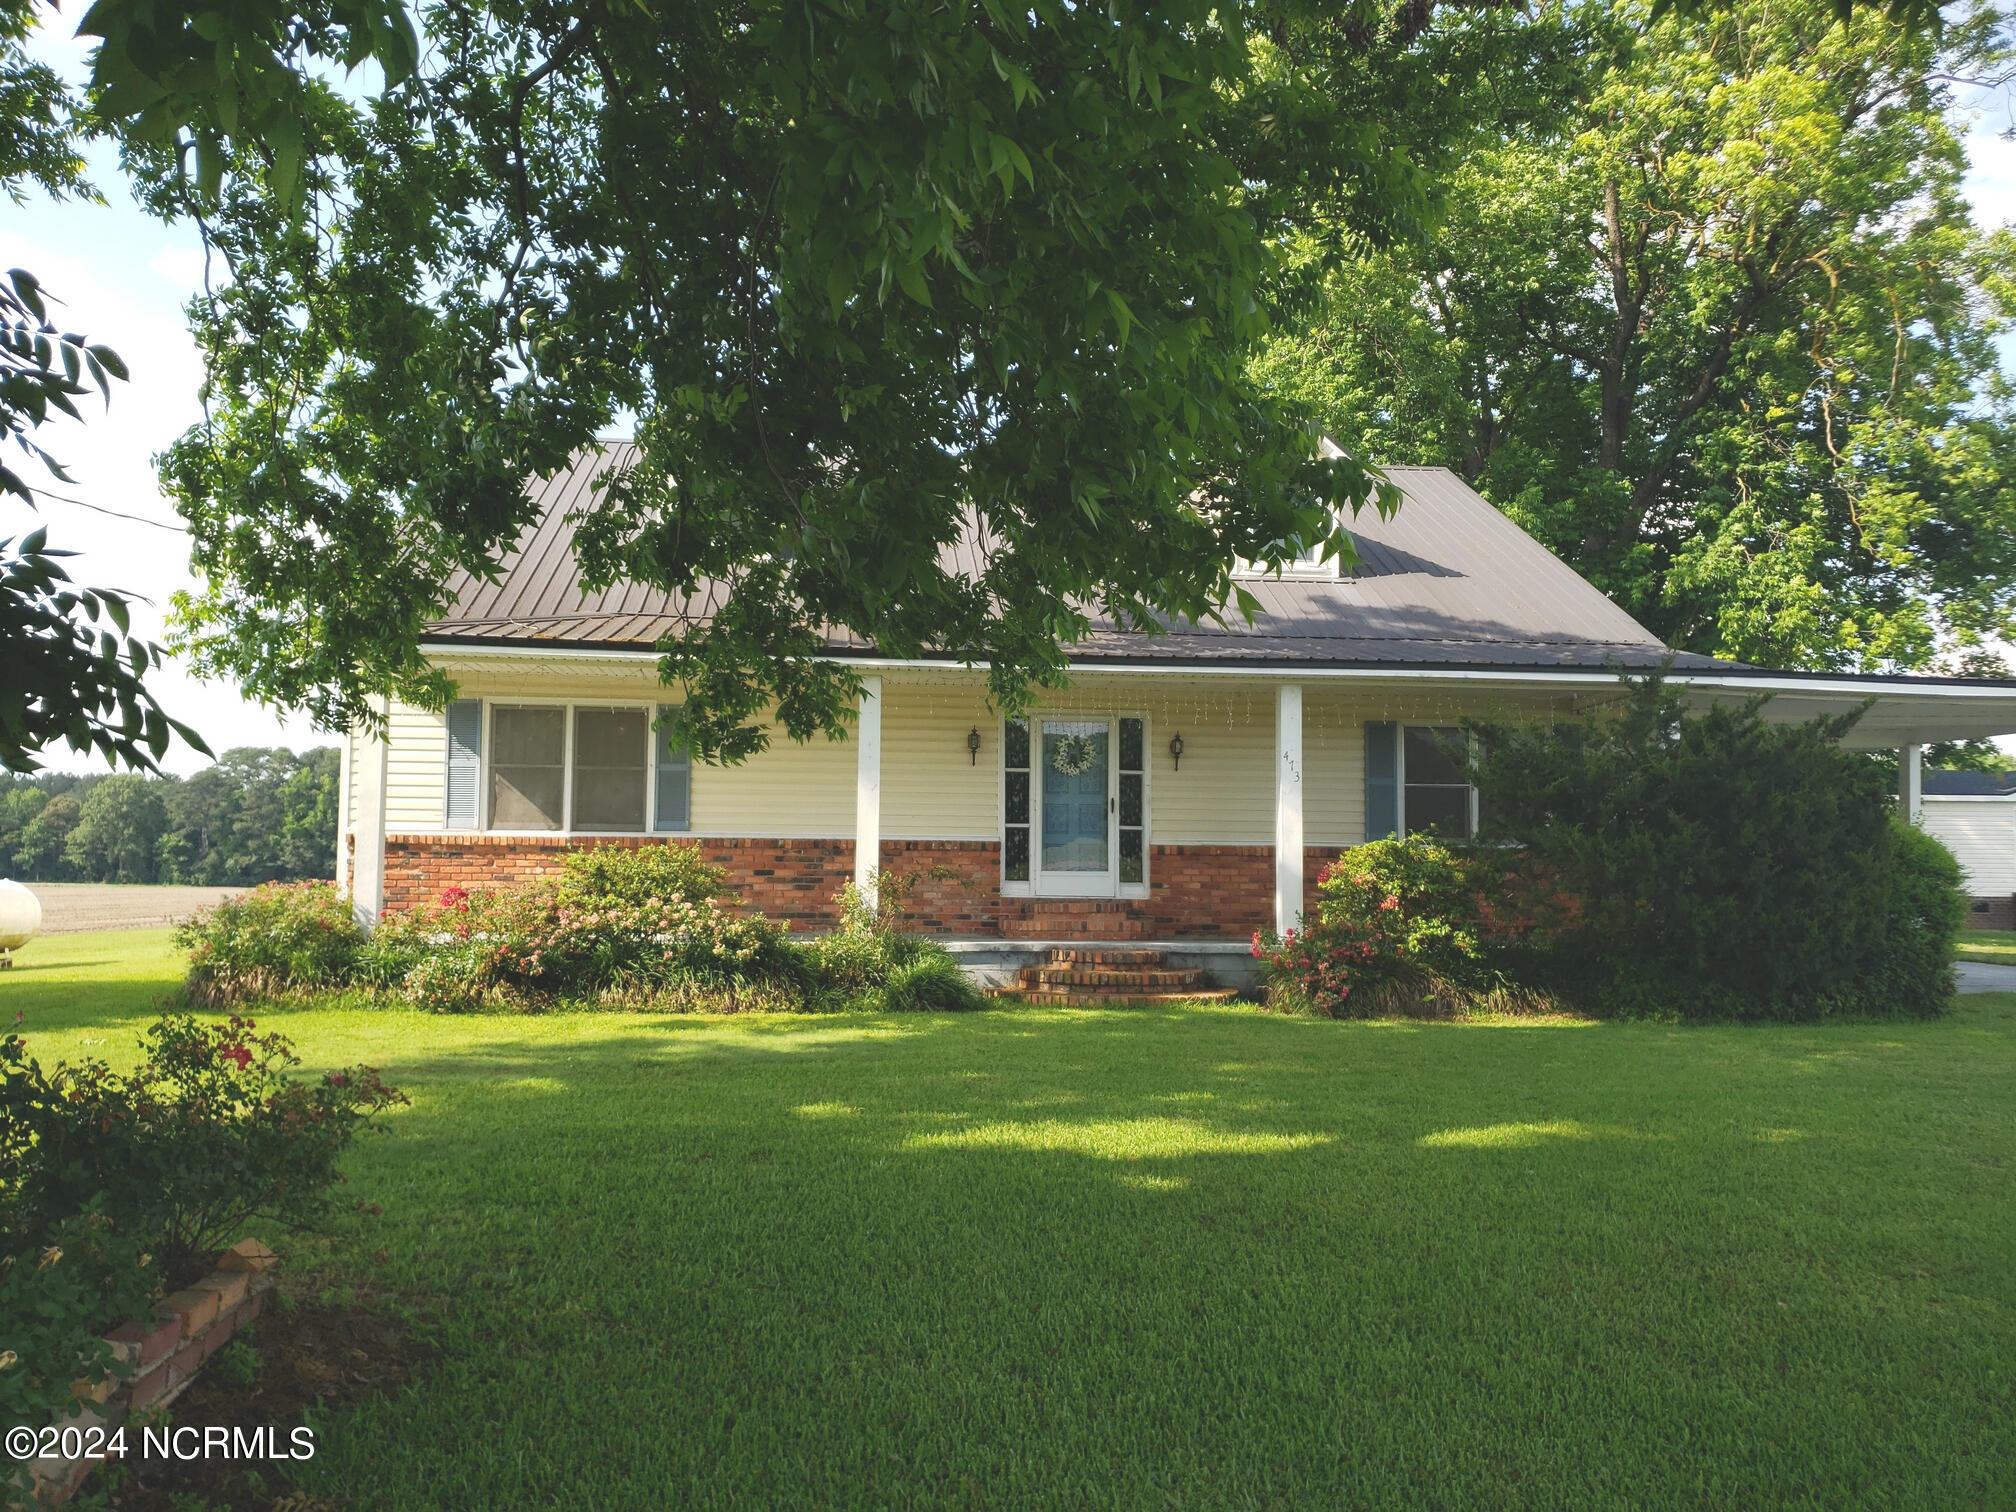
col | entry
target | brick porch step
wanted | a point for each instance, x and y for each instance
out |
(1077, 918)
(1095, 997)
(1081, 978)
(1081, 955)
(1076, 926)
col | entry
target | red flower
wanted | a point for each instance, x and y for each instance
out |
(237, 1054)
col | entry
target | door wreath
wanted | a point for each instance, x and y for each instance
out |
(1073, 755)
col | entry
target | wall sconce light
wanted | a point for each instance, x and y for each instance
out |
(1176, 750)
(973, 746)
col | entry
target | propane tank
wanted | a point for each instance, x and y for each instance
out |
(20, 919)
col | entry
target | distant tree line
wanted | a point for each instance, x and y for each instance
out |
(256, 816)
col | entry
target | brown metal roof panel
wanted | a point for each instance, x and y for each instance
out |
(1447, 571)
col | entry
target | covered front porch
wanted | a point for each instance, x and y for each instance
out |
(1150, 805)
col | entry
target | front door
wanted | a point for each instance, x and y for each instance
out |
(1074, 851)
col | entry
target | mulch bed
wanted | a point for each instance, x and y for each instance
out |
(310, 1356)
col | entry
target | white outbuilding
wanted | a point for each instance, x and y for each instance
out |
(1975, 814)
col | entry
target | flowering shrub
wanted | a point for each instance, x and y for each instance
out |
(522, 946)
(642, 874)
(618, 946)
(449, 957)
(115, 1186)
(278, 938)
(208, 1133)
(649, 925)
(1398, 922)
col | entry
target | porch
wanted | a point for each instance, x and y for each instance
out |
(1149, 806)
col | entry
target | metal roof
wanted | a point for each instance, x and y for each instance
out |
(1448, 581)
(1968, 784)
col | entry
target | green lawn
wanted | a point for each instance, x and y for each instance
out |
(1199, 1258)
(1994, 945)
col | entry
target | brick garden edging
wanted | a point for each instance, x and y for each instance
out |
(166, 1353)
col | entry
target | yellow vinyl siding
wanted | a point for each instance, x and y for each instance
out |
(416, 769)
(791, 791)
(931, 790)
(1222, 795)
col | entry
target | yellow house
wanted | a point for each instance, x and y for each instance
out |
(1185, 791)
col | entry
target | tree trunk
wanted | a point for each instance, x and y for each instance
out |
(1627, 298)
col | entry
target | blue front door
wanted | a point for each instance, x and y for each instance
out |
(1076, 776)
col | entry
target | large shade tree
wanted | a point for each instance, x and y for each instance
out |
(1720, 330)
(865, 278)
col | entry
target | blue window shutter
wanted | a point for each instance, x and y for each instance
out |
(465, 762)
(1382, 779)
(675, 775)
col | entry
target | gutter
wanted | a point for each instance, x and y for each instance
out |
(1735, 677)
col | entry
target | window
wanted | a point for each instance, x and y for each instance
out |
(528, 768)
(675, 775)
(610, 750)
(1303, 562)
(1133, 800)
(1015, 772)
(1414, 782)
(1434, 797)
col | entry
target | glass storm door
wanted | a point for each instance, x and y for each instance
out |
(1075, 777)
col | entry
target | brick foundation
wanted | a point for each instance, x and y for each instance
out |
(1990, 913)
(787, 879)
(1195, 891)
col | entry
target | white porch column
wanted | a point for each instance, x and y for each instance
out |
(1288, 808)
(1911, 783)
(343, 815)
(367, 876)
(868, 789)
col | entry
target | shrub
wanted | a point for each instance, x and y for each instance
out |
(1924, 905)
(641, 875)
(207, 1134)
(873, 961)
(931, 981)
(278, 938)
(1398, 927)
(115, 1187)
(1722, 866)
(517, 947)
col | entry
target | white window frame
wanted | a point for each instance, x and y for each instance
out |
(567, 706)
(1304, 566)
(1034, 718)
(1401, 726)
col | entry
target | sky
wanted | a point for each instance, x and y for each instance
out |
(124, 277)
